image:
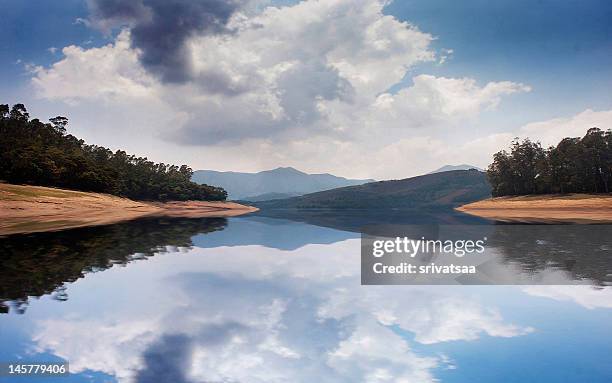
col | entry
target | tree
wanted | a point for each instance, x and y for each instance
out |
(522, 171)
(59, 124)
(4, 111)
(575, 165)
(19, 113)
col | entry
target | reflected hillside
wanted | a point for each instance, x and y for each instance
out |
(40, 263)
(274, 233)
(371, 221)
(585, 251)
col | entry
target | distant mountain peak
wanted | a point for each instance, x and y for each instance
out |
(448, 168)
(285, 170)
(286, 180)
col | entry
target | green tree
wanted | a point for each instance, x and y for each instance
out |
(575, 165)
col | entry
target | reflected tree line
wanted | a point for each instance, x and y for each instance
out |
(41, 263)
(584, 251)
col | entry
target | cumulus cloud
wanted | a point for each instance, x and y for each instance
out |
(394, 360)
(280, 83)
(469, 321)
(138, 333)
(445, 98)
(110, 73)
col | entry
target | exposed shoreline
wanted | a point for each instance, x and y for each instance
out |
(547, 208)
(29, 209)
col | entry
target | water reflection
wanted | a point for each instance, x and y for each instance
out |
(557, 253)
(36, 264)
(373, 222)
(240, 307)
(513, 254)
(584, 251)
(274, 233)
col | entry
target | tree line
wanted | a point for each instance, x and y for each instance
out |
(38, 153)
(575, 165)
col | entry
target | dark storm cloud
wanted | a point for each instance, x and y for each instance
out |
(116, 11)
(167, 360)
(161, 28)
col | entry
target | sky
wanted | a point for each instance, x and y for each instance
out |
(360, 88)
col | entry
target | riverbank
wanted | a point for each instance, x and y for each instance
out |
(548, 208)
(28, 209)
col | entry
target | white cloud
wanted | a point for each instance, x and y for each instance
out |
(108, 73)
(446, 98)
(380, 355)
(550, 132)
(95, 338)
(469, 320)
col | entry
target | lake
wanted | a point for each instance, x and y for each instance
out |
(278, 298)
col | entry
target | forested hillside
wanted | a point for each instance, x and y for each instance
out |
(37, 153)
(575, 165)
(431, 191)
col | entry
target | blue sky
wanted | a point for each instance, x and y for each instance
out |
(563, 49)
(29, 29)
(560, 50)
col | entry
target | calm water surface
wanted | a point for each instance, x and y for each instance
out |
(264, 299)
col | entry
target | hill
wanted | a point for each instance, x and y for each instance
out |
(448, 168)
(439, 190)
(284, 181)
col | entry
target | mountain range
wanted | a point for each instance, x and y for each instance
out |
(272, 184)
(438, 190)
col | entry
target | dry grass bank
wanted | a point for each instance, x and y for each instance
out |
(548, 208)
(25, 209)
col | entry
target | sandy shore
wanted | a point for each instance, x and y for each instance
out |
(567, 208)
(26, 209)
